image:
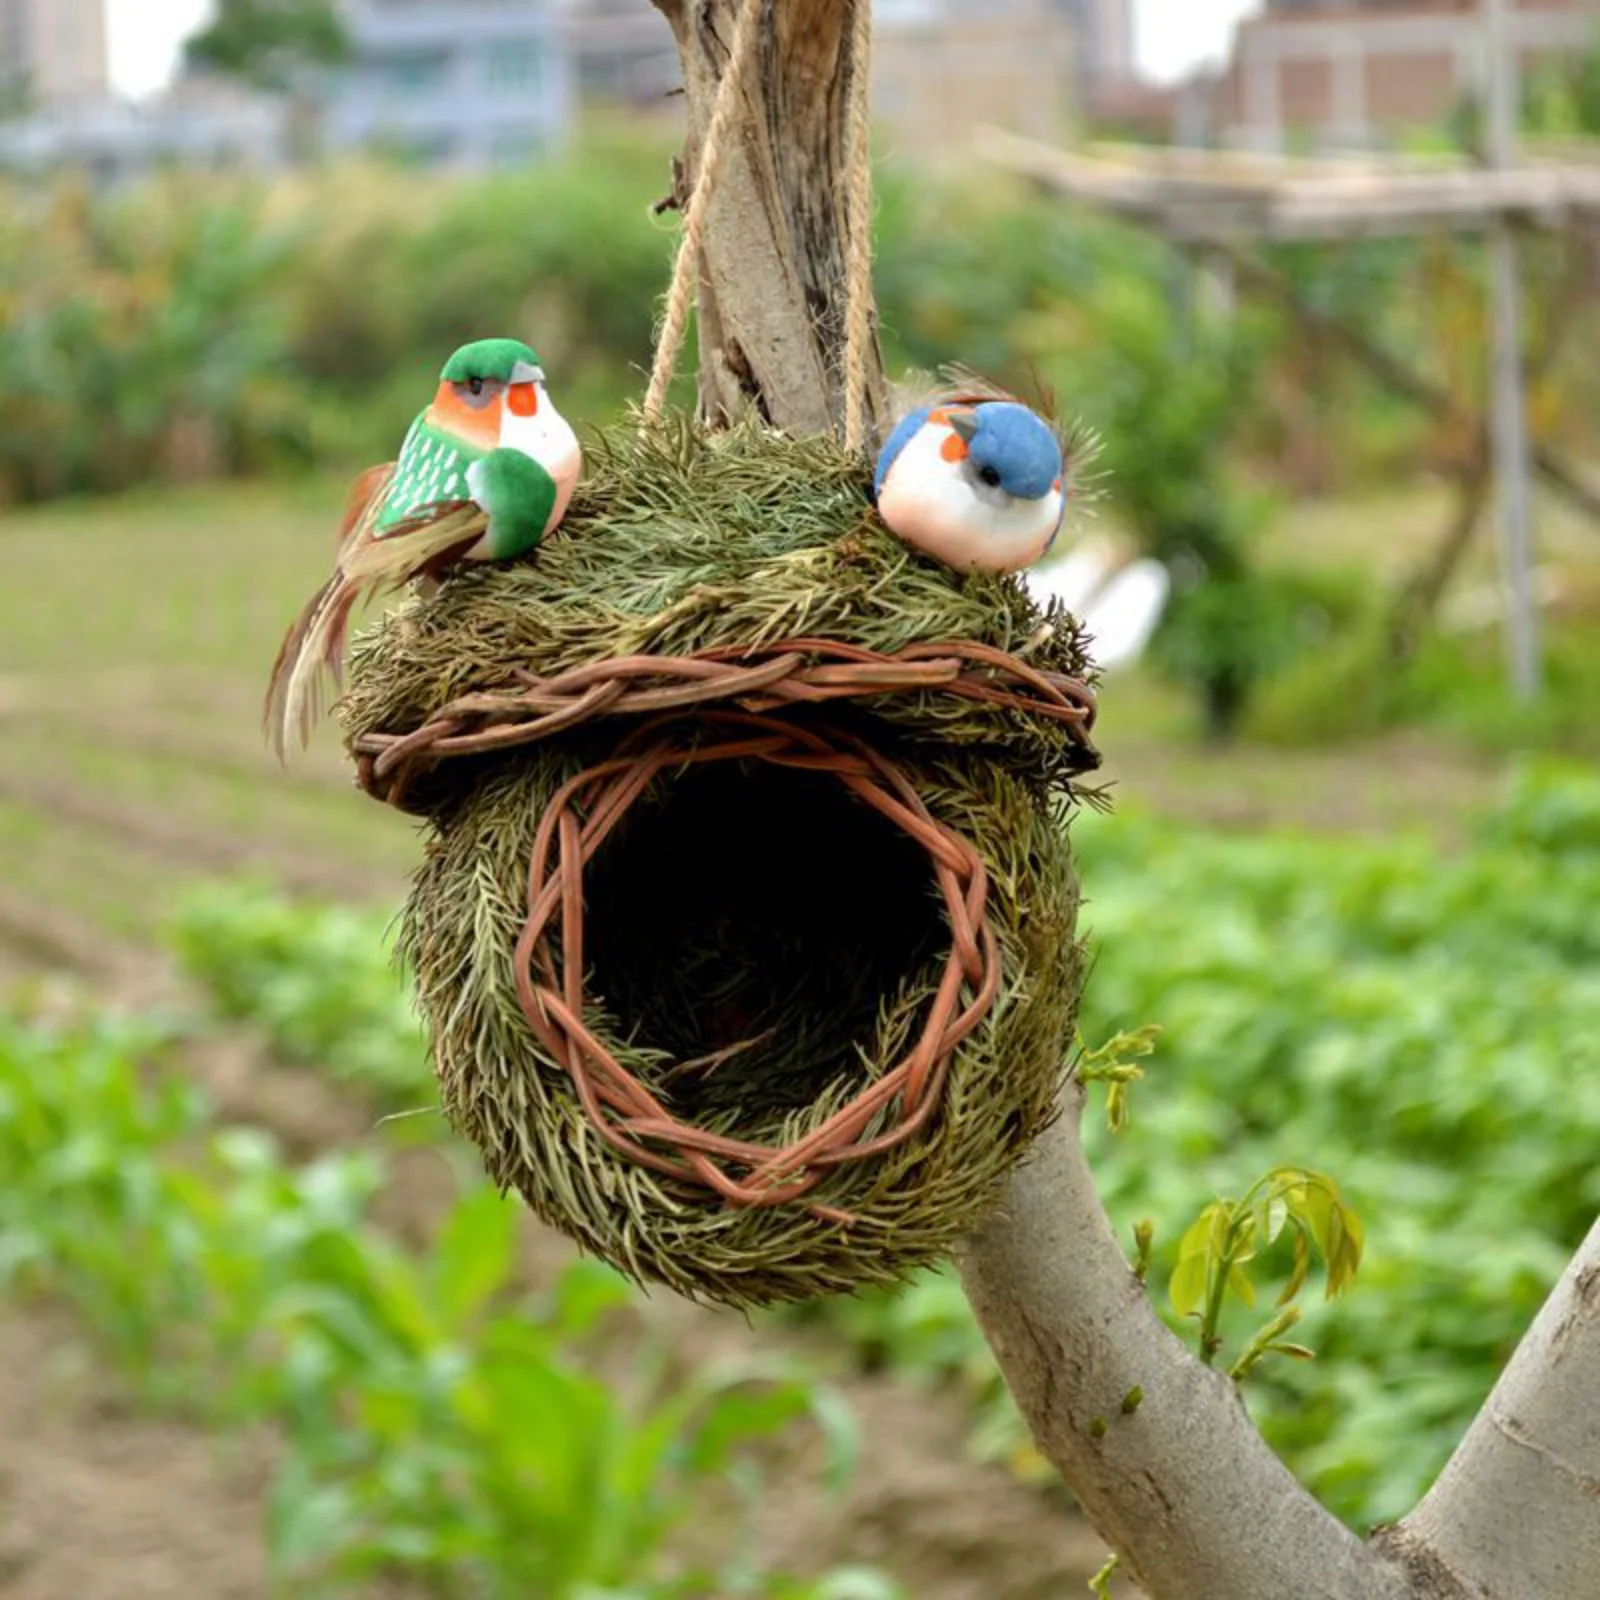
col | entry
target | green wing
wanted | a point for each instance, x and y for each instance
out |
(432, 469)
(519, 496)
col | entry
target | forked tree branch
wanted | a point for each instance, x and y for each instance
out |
(1183, 1487)
(1517, 1510)
(1186, 1489)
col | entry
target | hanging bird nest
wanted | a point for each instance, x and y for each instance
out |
(745, 938)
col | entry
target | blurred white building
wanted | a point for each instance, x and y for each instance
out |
(201, 121)
(52, 53)
(465, 83)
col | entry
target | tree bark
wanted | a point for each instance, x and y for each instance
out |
(1180, 1483)
(1517, 1510)
(772, 281)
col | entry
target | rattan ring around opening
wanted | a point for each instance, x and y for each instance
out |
(789, 672)
(623, 1111)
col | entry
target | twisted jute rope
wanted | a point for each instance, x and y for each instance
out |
(858, 220)
(733, 695)
(730, 98)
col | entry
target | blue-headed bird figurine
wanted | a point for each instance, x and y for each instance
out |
(976, 480)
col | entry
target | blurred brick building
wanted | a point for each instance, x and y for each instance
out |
(1346, 72)
(943, 67)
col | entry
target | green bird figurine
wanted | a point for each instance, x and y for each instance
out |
(484, 474)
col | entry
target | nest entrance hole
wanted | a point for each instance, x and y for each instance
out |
(753, 922)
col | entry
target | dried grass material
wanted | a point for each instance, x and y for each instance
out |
(759, 946)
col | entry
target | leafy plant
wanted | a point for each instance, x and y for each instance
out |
(437, 1421)
(1216, 1252)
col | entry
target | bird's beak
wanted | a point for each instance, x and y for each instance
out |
(964, 424)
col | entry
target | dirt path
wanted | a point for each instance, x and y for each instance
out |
(100, 1503)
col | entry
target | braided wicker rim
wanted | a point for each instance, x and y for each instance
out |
(586, 809)
(790, 672)
(621, 1109)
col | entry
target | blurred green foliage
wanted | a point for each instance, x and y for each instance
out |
(322, 988)
(269, 43)
(206, 324)
(203, 322)
(1422, 1025)
(436, 1422)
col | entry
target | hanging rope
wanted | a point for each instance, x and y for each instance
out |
(858, 217)
(676, 321)
(858, 222)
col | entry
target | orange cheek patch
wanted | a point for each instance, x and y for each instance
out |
(953, 448)
(523, 399)
(1056, 486)
(450, 413)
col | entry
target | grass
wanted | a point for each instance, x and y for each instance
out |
(132, 660)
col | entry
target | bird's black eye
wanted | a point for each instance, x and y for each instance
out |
(475, 385)
(990, 476)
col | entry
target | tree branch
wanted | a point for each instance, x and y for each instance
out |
(1396, 375)
(1184, 1487)
(1517, 1510)
(772, 285)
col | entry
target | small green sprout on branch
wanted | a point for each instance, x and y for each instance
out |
(1100, 1583)
(1144, 1234)
(1115, 1064)
(1214, 1256)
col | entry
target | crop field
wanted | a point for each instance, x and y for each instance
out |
(148, 844)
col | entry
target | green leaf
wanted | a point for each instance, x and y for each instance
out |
(1302, 1266)
(1187, 1289)
(1239, 1284)
(473, 1254)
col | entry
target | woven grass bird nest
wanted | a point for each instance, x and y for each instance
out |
(745, 937)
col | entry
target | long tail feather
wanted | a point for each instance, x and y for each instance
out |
(311, 656)
(415, 547)
(308, 660)
(367, 495)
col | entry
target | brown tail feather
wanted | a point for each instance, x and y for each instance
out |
(312, 653)
(415, 547)
(367, 495)
(308, 660)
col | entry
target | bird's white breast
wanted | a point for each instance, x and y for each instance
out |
(938, 506)
(548, 438)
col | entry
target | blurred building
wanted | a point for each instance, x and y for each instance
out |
(464, 83)
(622, 51)
(1347, 73)
(201, 121)
(52, 53)
(1102, 32)
(943, 67)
